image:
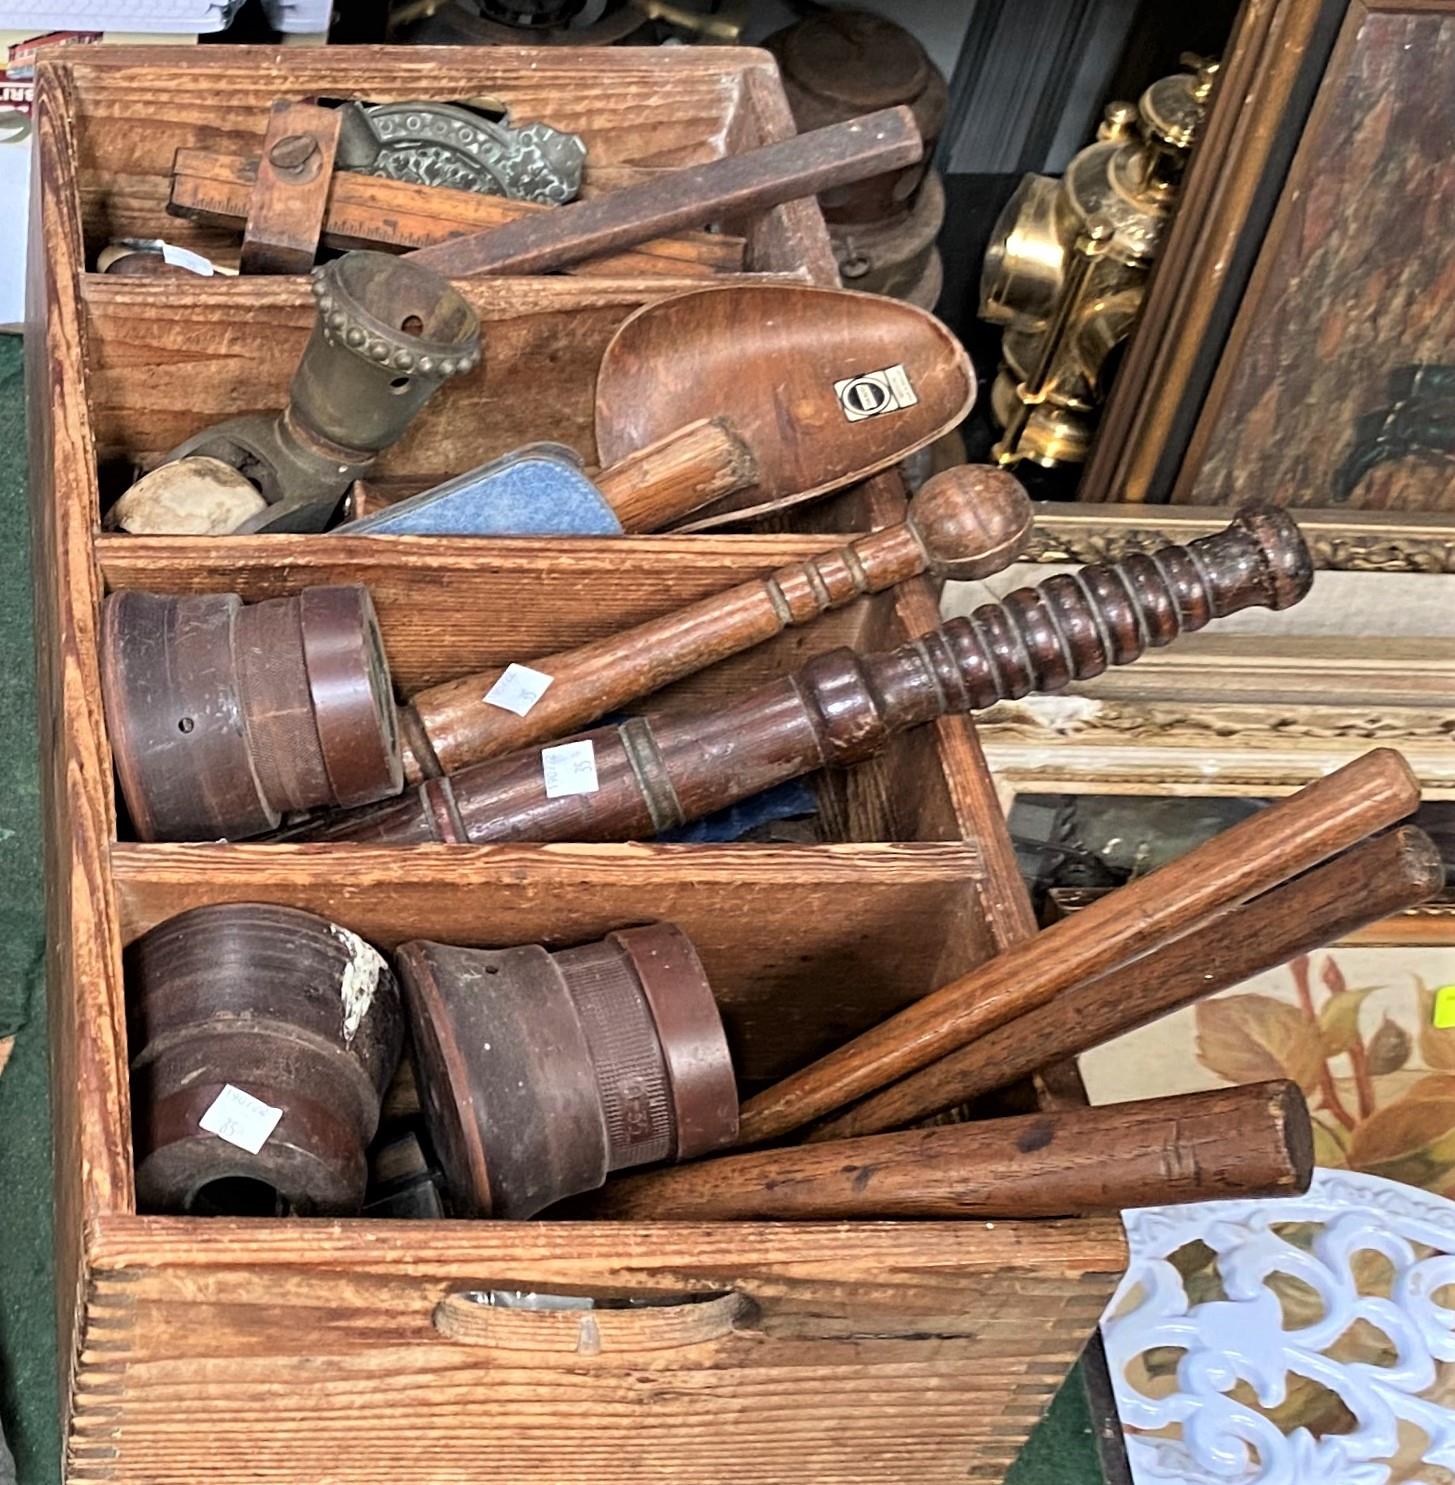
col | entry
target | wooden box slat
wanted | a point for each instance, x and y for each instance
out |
(281, 1351)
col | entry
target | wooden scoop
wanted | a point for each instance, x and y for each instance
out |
(826, 387)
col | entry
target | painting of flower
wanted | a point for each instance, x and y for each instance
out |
(1353, 1026)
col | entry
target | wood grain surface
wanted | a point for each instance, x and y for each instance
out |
(134, 107)
(364, 211)
(774, 925)
(734, 187)
(91, 1130)
(769, 358)
(289, 193)
(306, 1329)
(962, 520)
(1359, 886)
(1251, 857)
(1207, 1146)
(839, 1313)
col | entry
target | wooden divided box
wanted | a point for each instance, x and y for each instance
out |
(330, 1351)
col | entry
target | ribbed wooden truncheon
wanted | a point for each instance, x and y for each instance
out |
(322, 1352)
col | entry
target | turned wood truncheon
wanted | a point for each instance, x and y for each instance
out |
(646, 776)
(963, 523)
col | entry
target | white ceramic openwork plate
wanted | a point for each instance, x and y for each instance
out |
(1306, 1341)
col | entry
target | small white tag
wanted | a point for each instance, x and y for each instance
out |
(241, 1119)
(875, 393)
(569, 769)
(181, 257)
(518, 689)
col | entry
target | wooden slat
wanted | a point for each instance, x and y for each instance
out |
(92, 1138)
(364, 211)
(643, 107)
(774, 925)
(842, 1346)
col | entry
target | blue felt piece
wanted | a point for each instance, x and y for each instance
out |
(787, 801)
(536, 491)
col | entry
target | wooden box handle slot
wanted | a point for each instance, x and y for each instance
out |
(511, 1320)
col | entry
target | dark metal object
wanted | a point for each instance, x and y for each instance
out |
(652, 774)
(540, 1073)
(446, 144)
(223, 717)
(837, 64)
(287, 1007)
(388, 334)
(469, 22)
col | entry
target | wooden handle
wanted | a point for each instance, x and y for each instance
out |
(1368, 882)
(679, 473)
(1252, 857)
(733, 186)
(653, 775)
(964, 523)
(1254, 1140)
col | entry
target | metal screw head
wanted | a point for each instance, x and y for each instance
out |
(293, 152)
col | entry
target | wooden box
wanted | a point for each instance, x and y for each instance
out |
(323, 1351)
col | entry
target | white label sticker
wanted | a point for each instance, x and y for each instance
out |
(518, 689)
(181, 257)
(241, 1119)
(569, 769)
(875, 393)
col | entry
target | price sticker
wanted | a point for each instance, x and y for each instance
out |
(1444, 1011)
(181, 257)
(241, 1119)
(569, 768)
(518, 689)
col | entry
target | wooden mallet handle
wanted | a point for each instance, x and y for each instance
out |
(678, 474)
(731, 187)
(1252, 857)
(964, 523)
(1369, 881)
(1254, 1140)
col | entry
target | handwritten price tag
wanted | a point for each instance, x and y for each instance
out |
(518, 689)
(569, 769)
(241, 1119)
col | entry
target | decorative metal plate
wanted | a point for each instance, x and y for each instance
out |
(443, 144)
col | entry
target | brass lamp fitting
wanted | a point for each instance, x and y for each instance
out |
(1067, 267)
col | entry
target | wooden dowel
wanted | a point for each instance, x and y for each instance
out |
(963, 523)
(1253, 1140)
(734, 186)
(1252, 857)
(1370, 881)
(678, 474)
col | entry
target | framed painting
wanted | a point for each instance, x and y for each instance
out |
(1336, 387)
(1366, 1027)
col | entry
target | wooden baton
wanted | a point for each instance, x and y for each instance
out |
(1369, 881)
(963, 523)
(1252, 857)
(1253, 1140)
(732, 186)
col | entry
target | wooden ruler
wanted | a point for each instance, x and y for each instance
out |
(365, 211)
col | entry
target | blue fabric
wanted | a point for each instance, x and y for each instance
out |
(788, 801)
(537, 491)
